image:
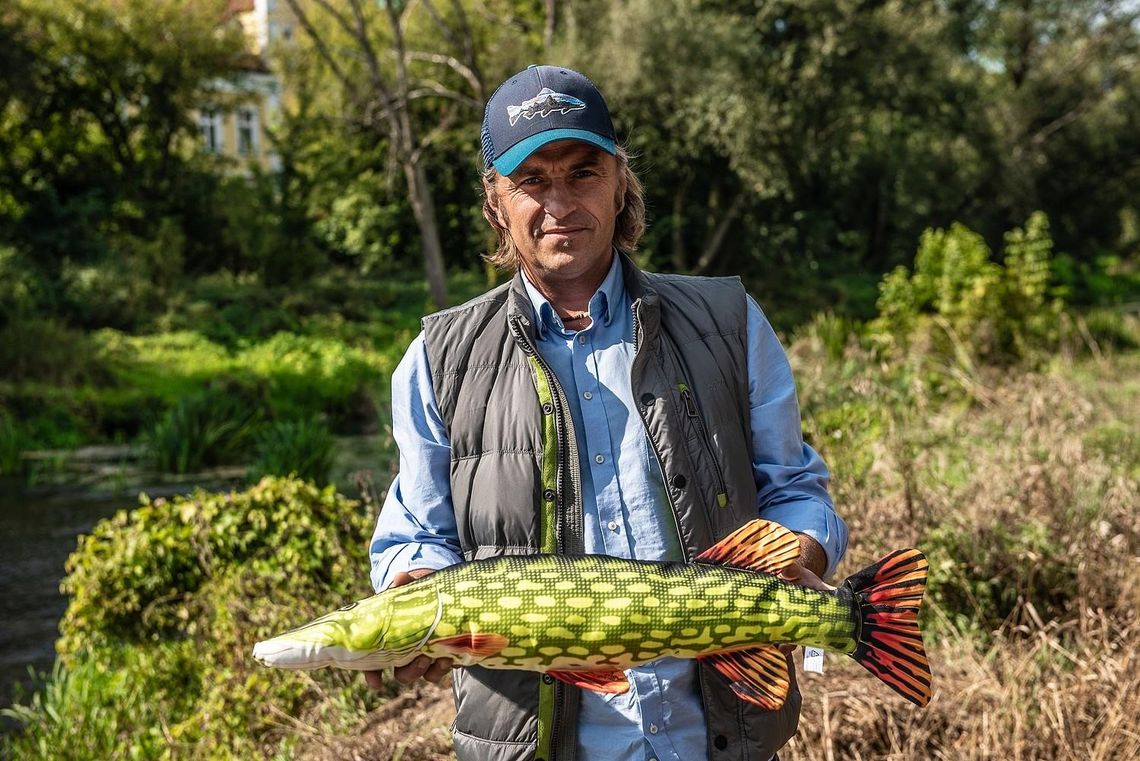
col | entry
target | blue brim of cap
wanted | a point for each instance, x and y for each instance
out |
(518, 153)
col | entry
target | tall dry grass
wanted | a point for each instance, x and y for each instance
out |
(1028, 503)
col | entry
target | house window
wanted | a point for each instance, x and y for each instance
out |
(210, 126)
(247, 131)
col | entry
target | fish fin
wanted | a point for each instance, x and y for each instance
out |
(758, 675)
(513, 114)
(758, 545)
(611, 682)
(479, 645)
(889, 644)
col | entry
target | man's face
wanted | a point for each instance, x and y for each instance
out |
(559, 208)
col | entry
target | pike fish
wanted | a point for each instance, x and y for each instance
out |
(585, 619)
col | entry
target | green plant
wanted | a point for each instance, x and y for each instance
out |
(303, 448)
(207, 429)
(166, 601)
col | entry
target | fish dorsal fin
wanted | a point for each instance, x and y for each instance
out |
(758, 675)
(758, 545)
(611, 682)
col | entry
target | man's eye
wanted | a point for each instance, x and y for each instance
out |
(531, 181)
(585, 173)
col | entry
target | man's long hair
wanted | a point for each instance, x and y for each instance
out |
(628, 227)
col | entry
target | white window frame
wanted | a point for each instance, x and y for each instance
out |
(210, 128)
(247, 119)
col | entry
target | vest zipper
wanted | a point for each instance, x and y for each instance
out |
(652, 446)
(694, 414)
(572, 518)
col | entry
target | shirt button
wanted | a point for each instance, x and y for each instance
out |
(652, 729)
(587, 395)
(582, 340)
(648, 399)
(612, 525)
(599, 458)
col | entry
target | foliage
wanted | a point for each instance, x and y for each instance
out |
(200, 431)
(303, 448)
(166, 603)
(960, 307)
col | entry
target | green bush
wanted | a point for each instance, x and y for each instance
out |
(46, 351)
(981, 576)
(303, 448)
(201, 431)
(307, 375)
(166, 602)
(961, 308)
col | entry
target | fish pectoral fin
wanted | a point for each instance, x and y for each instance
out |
(758, 545)
(480, 645)
(611, 682)
(758, 675)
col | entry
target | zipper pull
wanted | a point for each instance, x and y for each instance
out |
(687, 398)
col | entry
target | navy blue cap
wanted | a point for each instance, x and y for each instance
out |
(539, 105)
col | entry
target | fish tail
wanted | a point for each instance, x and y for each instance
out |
(888, 594)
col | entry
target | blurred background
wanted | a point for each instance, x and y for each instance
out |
(220, 223)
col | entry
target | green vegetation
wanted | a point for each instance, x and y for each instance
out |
(166, 603)
(977, 398)
(1019, 479)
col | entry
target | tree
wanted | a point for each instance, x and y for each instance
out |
(95, 126)
(376, 55)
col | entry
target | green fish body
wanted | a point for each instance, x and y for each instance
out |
(585, 619)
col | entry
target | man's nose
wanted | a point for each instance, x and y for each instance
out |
(560, 199)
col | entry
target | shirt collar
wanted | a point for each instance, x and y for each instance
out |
(602, 304)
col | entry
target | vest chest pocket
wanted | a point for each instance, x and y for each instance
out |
(695, 420)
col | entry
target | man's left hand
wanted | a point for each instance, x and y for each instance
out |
(805, 572)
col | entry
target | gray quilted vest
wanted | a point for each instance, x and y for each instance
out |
(515, 481)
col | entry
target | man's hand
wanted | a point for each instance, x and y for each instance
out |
(805, 572)
(422, 666)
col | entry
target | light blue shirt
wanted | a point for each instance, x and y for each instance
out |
(626, 510)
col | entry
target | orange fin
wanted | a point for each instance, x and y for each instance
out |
(758, 545)
(758, 675)
(888, 594)
(612, 682)
(479, 645)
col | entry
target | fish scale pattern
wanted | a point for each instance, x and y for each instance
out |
(595, 613)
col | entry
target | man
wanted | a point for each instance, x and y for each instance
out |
(587, 406)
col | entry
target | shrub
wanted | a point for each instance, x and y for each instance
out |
(166, 602)
(303, 448)
(204, 430)
(961, 308)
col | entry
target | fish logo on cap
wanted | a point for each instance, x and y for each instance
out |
(544, 104)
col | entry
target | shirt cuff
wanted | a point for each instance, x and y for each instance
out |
(817, 520)
(408, 557)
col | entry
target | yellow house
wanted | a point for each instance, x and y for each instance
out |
(237, 129)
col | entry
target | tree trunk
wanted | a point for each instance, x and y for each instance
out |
(548, 27)
(423, 207)
(716, 238)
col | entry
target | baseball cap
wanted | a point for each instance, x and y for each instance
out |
(537, 106)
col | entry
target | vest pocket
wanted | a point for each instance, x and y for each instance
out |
(689, 400)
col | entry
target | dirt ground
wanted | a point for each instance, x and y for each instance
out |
(414, 726)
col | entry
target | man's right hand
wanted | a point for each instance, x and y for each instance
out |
(423, 666)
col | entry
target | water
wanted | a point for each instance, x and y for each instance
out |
(37, 533)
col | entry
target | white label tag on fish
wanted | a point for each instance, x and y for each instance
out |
(813, 660)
